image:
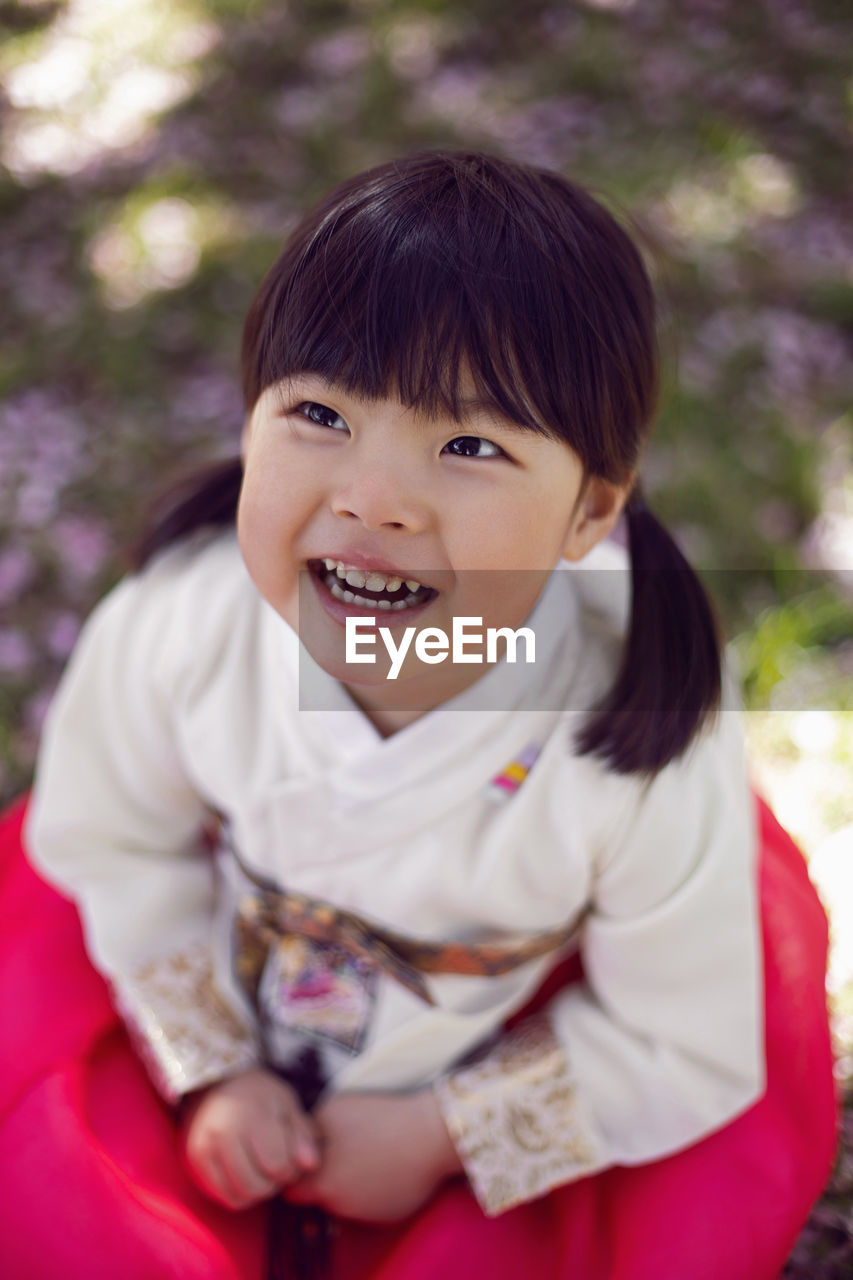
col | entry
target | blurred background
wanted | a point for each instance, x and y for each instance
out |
(155, 153)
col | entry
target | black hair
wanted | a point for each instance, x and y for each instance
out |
(441, 265)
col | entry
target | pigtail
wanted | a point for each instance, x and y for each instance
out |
(206, 496)
(669, 683)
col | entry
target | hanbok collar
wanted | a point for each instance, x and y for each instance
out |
(369, 789)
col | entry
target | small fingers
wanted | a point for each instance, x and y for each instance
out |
(247, 1138)
(306, 1140)
(213, 1178)
(227, 1172)
(286, 1152)
(248, 1181)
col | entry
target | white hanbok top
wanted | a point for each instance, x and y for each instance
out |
(182, 700)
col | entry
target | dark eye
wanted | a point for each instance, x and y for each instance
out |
(473, 447)
(322, 415)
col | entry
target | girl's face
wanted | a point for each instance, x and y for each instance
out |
(417, 519)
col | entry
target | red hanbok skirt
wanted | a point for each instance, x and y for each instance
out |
(92, 1186)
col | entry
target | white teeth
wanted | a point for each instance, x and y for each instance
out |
(372, 581)
(351, 597)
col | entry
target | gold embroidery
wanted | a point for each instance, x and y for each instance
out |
(515, 1118)
(527, 1129)
(182, 1028)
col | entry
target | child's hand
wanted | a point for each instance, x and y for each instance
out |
(246, 1137)
(383, 1156)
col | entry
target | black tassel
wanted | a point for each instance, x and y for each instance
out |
(300, 1242)
(301, 1235)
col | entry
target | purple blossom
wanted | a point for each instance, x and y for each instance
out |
(184, 139)
(817, 240)
(15, 651)
(664, 72)
(32, 276)
(300, 107)
(17, 568)
(40, 289)
(561, 28)
(548, 132)
(799, 351)
(723, 331)
(457, 93)
(697, 370)
(340, 53)
(60, 634)
(765, 92)
(37, 502)
(82, 545)
(208, 396)
(35, 419)
(42, 449)
(706, 34)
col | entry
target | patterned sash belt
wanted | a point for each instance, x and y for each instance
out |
(320, 962)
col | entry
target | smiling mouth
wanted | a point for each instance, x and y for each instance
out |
(368, 589)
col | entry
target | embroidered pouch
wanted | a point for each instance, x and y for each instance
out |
(319, 989)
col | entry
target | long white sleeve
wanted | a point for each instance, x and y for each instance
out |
(115, 823)
(662, 1043)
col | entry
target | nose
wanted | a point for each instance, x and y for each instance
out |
(380, 495)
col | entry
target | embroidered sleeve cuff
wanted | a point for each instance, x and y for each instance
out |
(516, 1121)
(181, 1027)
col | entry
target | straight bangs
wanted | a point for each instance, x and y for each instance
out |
(454, 282)
(449, 279)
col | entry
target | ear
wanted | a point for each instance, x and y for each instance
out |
(597, 510)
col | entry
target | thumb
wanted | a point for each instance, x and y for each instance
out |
(306, 1142)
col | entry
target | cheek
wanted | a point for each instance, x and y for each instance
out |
(253, 508)
(268, 500)
(525, 536)
(265, 535)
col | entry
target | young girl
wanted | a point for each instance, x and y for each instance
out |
(338, 904)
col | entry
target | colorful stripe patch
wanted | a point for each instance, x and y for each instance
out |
(507, 782)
